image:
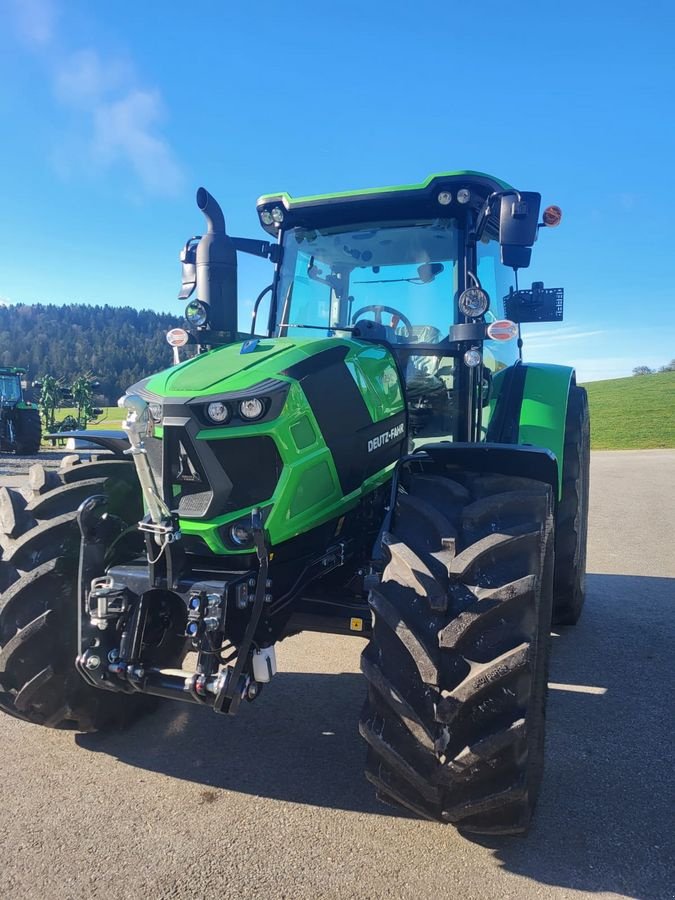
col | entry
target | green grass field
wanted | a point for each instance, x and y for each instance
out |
(112, 416)
(636, 413)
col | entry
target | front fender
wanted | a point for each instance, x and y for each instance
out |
(116, 442)
(529, 407)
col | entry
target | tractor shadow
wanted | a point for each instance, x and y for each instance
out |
(605, 819)
(297, 742)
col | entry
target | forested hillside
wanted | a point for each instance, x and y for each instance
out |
(117, 345)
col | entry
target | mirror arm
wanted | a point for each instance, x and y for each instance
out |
(264, 249)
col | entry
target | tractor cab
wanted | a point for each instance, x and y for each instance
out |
(10, 386)
(422, 268)
(20, 429)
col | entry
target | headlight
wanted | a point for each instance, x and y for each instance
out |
(197, 313)
(251, 409)
(473, 302)
(218, 412)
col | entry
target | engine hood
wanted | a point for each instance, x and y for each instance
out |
(230, 368)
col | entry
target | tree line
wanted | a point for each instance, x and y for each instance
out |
(645, 370)
(115, 345)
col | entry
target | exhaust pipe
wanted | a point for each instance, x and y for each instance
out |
(215, 220)
(216, 269)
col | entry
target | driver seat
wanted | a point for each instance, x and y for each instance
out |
(428, 365)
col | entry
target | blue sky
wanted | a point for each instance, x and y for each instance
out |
(114, 113)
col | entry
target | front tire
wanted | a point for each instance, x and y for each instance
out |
(40, 540)
(457, 664)
(28, 429)
(571, 526)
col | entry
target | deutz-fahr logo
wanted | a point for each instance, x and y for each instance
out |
(384, 438)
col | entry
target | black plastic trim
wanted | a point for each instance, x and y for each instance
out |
(503, 459)
(504, 424)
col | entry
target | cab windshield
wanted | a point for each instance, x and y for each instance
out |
(10, 389)
(404, 276)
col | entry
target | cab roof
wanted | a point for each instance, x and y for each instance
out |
(399, 202)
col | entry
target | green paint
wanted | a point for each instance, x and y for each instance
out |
(544, 408)
(303, 433)
(209, 372)
(308, 492)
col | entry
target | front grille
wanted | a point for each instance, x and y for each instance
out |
(193, 506)
(211, 478)
(153, 449)
(253, 465)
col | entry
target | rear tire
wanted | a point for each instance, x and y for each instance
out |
(28, 429)
(38, 605)
(457, 664)
(571, 527)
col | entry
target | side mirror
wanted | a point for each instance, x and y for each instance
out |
(428, 271)
(188, 259)
(518, 219)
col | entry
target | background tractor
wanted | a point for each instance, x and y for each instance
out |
(20, 430)
(376, 459)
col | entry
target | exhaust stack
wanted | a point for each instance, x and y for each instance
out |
(210, 265)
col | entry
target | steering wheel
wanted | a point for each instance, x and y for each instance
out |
(396, 317)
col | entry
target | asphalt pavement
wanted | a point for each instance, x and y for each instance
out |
(273, 803)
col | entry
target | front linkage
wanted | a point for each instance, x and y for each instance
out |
(143, 614)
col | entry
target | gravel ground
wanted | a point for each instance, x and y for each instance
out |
(273, 803)
(13, 469)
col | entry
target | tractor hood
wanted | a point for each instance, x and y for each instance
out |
(229, 368)
(272, 366)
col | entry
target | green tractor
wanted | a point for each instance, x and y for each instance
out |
(20, 429)
(377, 460)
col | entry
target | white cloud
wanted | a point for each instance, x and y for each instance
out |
(116, 119)
(540, 339)
(83, 78)
(124, 130)
(35, 20)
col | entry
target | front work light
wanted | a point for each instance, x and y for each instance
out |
(472, 358)
(197, 313)
(218, 412)
(473, 302)
(463, 195)
(240, 534)
(251, 409)
(277, 215)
